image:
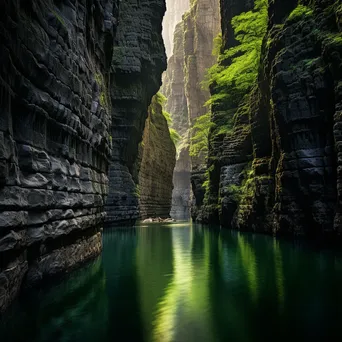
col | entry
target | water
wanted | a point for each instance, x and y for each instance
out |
(185, 283)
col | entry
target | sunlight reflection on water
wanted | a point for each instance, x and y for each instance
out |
(184, 282)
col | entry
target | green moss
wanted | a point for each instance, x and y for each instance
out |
(137, 191)
(217, 45)
(103, 97)
(237, 68)
(245, 193)
(159, 100)
(175, 137)
(299, 12)
(234, 191)
(334, 39)
(206, 185)
(167, 117)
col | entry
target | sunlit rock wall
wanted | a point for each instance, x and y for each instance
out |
(177, 106)
(157, 160)
(181, 195)
(192, 55)
(54, 135)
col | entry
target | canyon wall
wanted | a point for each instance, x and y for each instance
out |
(182, 85)
(177, 106)
(76, 81)
(138, 62)
(54, 136)
(156, 162)
(276, 167)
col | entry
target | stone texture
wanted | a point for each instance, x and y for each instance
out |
(286, 159)
(157, 161)
(138, 62)
(181, 195)
(177, 106)
(192, 56)
(306, 99)
(54, 134)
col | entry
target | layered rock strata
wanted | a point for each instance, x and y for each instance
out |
(157, 161)
(177, 106)
(138, 62)
(54, 136)
(181, 194)
(182, 85)
(278, 170)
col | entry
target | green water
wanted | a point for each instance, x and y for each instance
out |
(185, 283)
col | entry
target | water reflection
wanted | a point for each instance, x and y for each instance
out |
(187, 283)
(184, 310)
(279, 272)
(77, 304)
(249, 264)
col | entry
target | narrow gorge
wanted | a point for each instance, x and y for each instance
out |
(257, 101)
(76, 83)
(186, 97)
(144, 144)
(273, 156)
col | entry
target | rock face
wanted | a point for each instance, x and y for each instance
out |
(177, 106)
(138, 62)
(158, 158)
(54, 136)
(74, 96)
(181, 195)
(174, 11)
(278, 168)
(192, 55)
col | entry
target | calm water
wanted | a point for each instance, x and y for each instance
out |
(185, 283)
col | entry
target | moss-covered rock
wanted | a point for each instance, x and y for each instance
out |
(285, 181)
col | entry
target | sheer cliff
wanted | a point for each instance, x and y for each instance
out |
(138, 62)
(54, 136)
(76, 81)
(156, 164)
(177, 106)
(182, 85)
(274, 149)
